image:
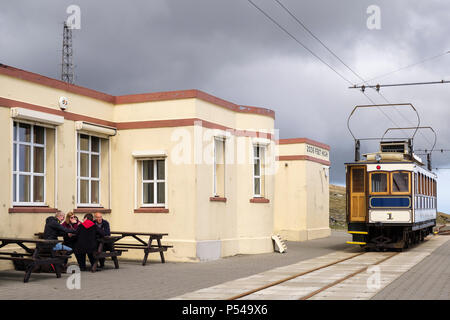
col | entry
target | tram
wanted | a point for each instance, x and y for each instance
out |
(391, 195)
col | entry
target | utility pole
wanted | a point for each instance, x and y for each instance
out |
(67, 72)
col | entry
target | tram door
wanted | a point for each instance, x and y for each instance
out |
(358, 194)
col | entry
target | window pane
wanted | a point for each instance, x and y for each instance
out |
(400, 182)
(257, 186)
(24, 188)
(148, 170)
(84, 165)
(38, 160)
(161, 192)
(14, 187)
(24, 132)
(358, 180)
(15, 131)
(38, 189)
(95, 144)
(15, 157)
(160, 169)
(39, 134)
(24, 158)
(95, 166)
(84, 142)
(148, 196)
(95, 192)
(84, 191)
(256, 167)
(379, 182)
(256, 151)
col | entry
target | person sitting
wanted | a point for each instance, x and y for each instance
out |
(71, 223)
(53, 229)
(86, 241)
(104, 225)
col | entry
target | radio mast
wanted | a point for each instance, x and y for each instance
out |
(67, 74)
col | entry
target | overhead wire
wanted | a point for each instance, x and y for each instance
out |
(298, 41)
(330, 51)
(405, 67)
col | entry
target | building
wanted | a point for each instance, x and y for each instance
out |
(202, 169)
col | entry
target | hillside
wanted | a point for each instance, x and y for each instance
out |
(337, 209)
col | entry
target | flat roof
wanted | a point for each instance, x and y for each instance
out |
(133, 98)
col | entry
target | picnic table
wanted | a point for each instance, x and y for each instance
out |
(147, 246)
(42, 254)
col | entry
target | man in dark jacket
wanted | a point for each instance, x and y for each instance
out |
(53, 229)
(87, 235)
(104, 225)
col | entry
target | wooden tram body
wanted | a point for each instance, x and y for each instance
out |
(391, 196)
(390, 203)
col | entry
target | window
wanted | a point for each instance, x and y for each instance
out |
(416, 181)
(153, 183)
(88, 170)
(219, 167)
(379, 183)
(400, 182)
(422, 184)
(258, 171)
(358, 180)
(28, 164)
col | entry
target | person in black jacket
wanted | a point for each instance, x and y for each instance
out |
(53, 229)
(104, 225)
(87, 234)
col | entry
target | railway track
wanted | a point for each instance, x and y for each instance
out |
(333, 266)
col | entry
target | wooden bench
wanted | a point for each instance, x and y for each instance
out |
(32, 259)
(113, 253)
(146, 246)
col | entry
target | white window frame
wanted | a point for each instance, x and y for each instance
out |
(90, 153)
(31, 173)
(261, 173)
(222, 140)
(155, 183)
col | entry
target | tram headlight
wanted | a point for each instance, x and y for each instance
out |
(378, 157)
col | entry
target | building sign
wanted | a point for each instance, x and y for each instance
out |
(316, 151)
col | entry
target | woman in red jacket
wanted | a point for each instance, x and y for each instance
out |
(86, 241)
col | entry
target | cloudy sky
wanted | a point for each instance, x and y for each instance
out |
(230, 49)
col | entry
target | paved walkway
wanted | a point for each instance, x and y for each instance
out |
(428, 280)
(164, 281)
(390, 267)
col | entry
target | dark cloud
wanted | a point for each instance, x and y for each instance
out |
(231, 50)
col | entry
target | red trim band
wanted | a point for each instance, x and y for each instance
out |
(303, 157)
(259, 200)
(151, 210)
(218, 199)
(32, 210)
(91, 210)
(8, 103)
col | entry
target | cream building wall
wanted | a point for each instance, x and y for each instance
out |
(161, 125)
(301, 207)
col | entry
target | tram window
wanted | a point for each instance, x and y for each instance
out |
(379, 182)
(435, 188)
(400, 182)
(421, 183)
(416, 187)
(358, 180)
